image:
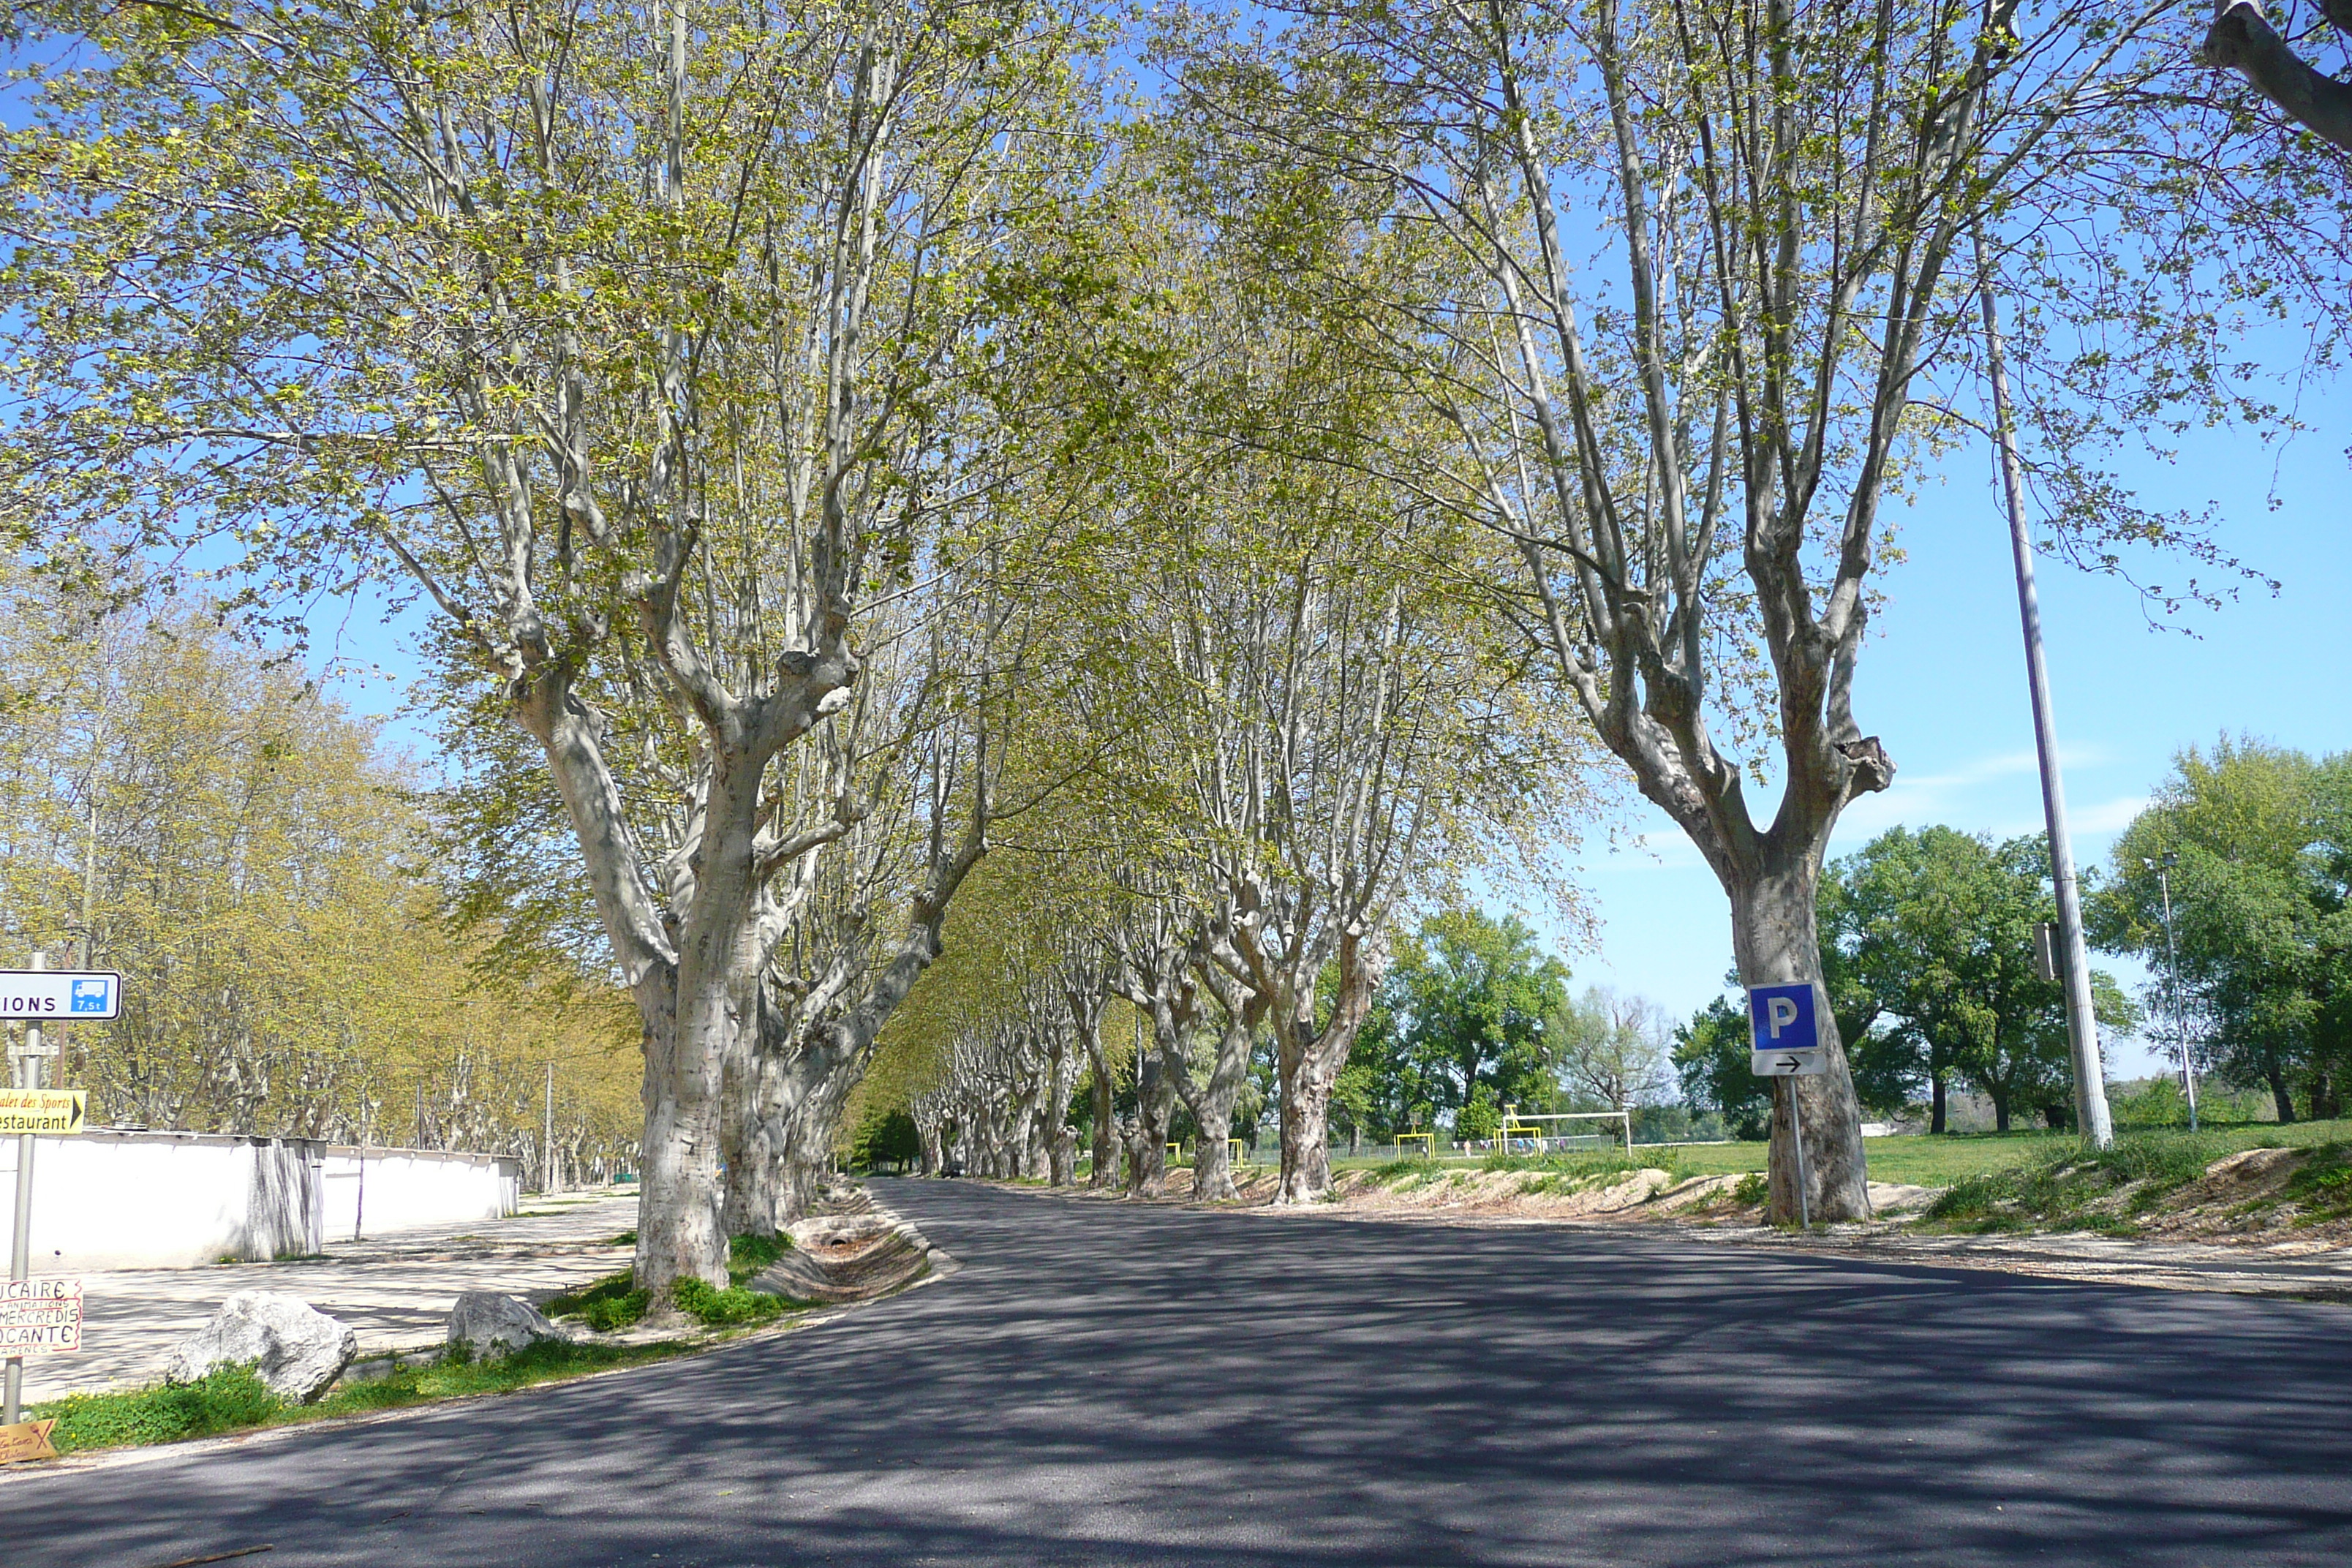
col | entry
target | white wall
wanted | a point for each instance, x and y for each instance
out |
(162, 1200)
(371, 1192)
(175, 1200)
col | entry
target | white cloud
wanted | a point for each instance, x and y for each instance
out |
(2107, 817)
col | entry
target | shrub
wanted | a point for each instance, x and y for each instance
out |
(747, 1255)
(1754, 1188)
(724, 1309)
(610, 1303)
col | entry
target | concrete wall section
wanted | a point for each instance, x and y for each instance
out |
(175, 1200)
(161, 1200)
(374, 1192)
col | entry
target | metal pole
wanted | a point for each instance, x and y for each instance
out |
(1797, 1140)
(547, 1146)
(2172, 973)
(20, 1249)
(2082, 1025)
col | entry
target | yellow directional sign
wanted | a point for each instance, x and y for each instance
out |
(26, 1440)
(43, 1110)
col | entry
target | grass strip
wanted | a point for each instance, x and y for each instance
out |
(233, 1399)
(2077, 1189)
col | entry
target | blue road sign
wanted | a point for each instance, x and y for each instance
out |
(1781, 1019)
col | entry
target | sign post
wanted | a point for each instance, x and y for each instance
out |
(37, 995)
(1785, 1041)
(36, 999)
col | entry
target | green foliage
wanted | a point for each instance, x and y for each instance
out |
(221, 1401)
(747, 1255)
(1464, 1009)
(1751, 1189)
(1927, 936)
(263, 872)
(719, 1309)
(1711, 1055)
(890, 1136)
(1481, 1117)
(2261, 916)
(610, 1303)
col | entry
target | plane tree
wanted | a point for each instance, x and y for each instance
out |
(1695, 288)
(636, 351)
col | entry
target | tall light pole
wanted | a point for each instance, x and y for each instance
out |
(2163, 869)
(2082, 1024)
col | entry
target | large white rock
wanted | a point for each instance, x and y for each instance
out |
(491, 1322)
(295, 1348)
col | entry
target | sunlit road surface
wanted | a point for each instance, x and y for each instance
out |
(1112, 1385)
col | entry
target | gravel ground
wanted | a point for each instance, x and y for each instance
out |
(395, 1290)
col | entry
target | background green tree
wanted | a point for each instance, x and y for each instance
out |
(1467, 1003)
(1934, 932)
(1710, 1056)
(2261, 837)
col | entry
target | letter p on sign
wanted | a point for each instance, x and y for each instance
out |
(1781, 1019)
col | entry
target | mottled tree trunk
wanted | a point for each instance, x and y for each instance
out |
(1306, 1130)
(1147, 1160)
(1308, 1062)
(1105, 1150)
(1775, 942)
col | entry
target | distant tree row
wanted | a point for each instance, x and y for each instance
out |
(176, 807)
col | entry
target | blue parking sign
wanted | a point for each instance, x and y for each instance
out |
(1781, 1019)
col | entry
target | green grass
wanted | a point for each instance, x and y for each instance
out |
(615, 1302)
(747, 1254)
(2322, 1187)
(2068, 1187)
(233, 1399)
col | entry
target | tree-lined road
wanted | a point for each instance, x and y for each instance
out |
(1144, 1386)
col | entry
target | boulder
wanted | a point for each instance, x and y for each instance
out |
(492, 1323)
(295, 1348)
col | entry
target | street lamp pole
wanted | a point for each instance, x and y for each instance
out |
(2082, 1024)
(2172, 973)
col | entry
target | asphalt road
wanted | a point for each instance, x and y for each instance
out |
(1147, 1387)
